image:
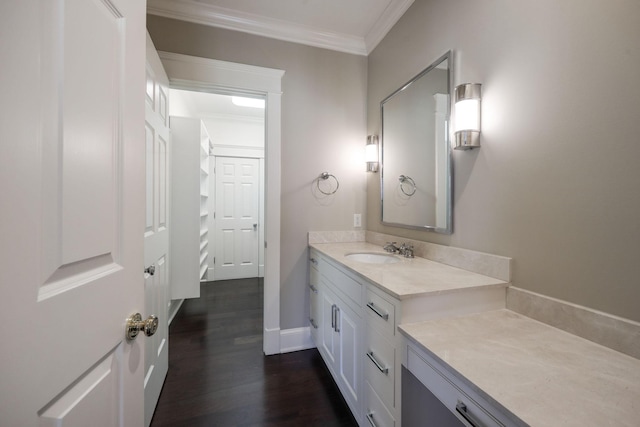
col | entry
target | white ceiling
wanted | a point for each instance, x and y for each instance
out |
(352, 26)
(203, 105)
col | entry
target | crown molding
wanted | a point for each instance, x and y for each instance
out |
(258, 25)
(387, 20)
(201, 13)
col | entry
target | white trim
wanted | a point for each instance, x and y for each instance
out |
(385, 23)
(215, 16)
(209, 75)
(295, 339)
(271, 343)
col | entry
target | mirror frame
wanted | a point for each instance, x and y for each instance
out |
(449, 216)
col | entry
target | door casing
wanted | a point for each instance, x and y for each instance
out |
(210, 75)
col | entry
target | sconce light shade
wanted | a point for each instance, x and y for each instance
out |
(371, 153)
(467, 116)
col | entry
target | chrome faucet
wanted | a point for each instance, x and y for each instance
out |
(391, 247)
(406, 250)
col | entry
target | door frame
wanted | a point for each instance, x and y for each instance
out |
(211, 75)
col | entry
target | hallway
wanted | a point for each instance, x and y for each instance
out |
(218, 375)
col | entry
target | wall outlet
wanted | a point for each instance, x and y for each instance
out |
(357, 220)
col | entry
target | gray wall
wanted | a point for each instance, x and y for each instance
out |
(323, 129)
(556, 184)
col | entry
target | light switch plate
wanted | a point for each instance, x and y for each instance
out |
(357, 220)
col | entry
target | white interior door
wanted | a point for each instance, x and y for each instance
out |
(72, 215)
(156, 235)
(237, 198)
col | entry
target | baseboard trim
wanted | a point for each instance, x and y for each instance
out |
(271, 344)
(295, 339)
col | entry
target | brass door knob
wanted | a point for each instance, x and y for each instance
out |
(135, 324)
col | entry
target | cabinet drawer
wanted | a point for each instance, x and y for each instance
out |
(380, 312)
(375, 413)
(451, 396)
(379, 366)
(343, 283)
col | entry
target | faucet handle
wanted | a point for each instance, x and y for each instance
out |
(406, 250)
(391, 247)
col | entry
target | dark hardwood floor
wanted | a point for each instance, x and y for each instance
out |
(219, 376)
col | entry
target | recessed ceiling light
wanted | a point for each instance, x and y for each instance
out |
(247, 102)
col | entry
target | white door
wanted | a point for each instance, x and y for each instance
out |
(156, 234)
(72, 213)
(237, 198)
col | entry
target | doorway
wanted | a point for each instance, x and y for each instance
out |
(235, 128)
(209, 75)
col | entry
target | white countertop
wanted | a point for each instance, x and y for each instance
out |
(411, 276)
(545, 376)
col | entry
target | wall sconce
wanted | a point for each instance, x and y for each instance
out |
(467, 116)
(371, 153)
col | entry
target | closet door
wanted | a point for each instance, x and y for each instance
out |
(237, 198)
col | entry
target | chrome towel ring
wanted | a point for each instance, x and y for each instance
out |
(325, 176)
(405, 179)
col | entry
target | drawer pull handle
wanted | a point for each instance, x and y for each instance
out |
(313, 261)
(370, 419)
(462, 410)
(375, 309)
(314, 289)
(337, 328)
(381, 367)
(313, 323)
(333, 317)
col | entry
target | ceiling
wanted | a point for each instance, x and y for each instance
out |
(352, 26)
(203, 105)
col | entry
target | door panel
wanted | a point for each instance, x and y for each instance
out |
(350, 359)
(91, 397)
(156, 237)
(329, 337)
(236, 221)
(71, 171)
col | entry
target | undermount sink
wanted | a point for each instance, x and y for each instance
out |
(372, 258)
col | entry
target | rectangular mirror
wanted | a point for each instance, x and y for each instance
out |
(416, 152)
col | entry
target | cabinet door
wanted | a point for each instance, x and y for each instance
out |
(349, 362)
(329, 337)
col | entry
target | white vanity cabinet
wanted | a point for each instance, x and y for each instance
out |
(335, 310)
(440, 399)
(381, 358)
(357, 320)
(314, 301)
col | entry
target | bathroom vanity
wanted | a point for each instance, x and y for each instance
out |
(414, 342)
(358, 301)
